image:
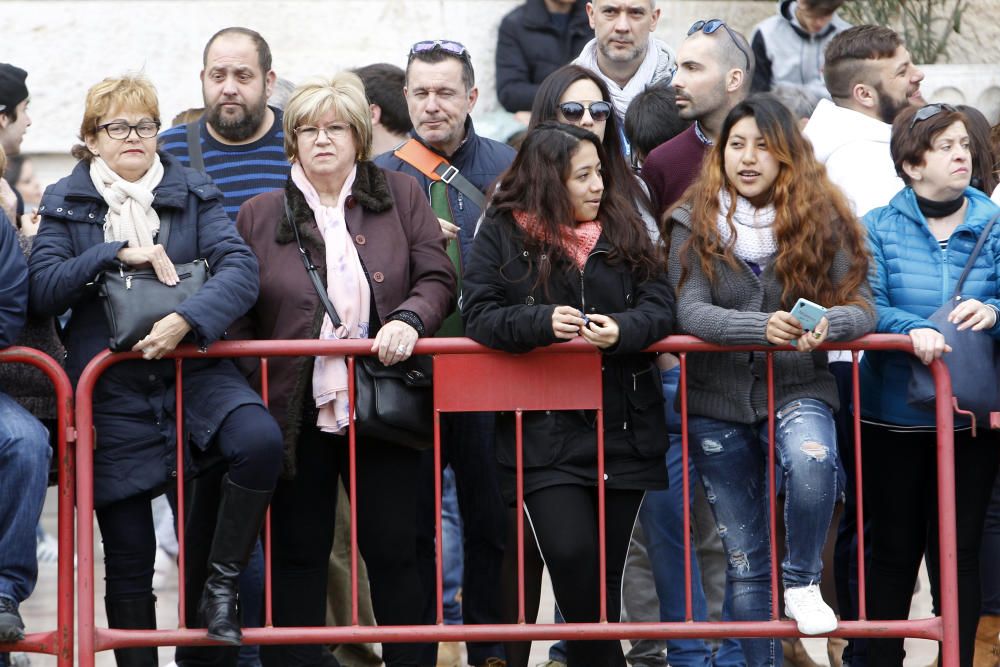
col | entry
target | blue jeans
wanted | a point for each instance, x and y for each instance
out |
(451, 538)
(732, 461)
(24, 473)
(663, 523)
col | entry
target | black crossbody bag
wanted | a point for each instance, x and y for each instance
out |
(391, 403)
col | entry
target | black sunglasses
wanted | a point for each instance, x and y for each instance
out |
(447, 45)
(930, 111)
(710, 26)
(573, 111)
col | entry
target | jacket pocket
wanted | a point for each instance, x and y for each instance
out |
(542, 438)
(645, 411)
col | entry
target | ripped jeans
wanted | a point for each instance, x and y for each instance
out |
(731, 459)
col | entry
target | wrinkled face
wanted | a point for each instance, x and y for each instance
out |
(749, 165)
(700, 80)
(12, 131)
(130, 157)
(585, 185)
(812, 20)
(622, 28)
(326, 147)
(947, 167)
(898, 85)
(439, 102)
(584, 91)
(234, 88)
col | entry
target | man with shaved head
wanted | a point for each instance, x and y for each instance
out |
(714, 72)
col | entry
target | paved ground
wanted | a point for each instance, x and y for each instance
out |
(39, 613)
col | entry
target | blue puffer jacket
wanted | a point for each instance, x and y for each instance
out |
(134, 402)
(913, 277)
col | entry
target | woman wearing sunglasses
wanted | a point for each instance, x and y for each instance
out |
(920, 244)
(761, 228)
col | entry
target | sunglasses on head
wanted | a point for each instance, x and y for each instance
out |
(447, 45)
(710, 26)
(929, 111)
(573, 111)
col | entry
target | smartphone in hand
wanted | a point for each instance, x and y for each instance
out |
(808, 313)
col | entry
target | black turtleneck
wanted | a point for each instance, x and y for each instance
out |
(939, 209)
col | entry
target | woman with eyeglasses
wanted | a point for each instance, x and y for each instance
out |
(920, 244)
(380, 255)
(762, 228)
(563, 255)
(110, 212)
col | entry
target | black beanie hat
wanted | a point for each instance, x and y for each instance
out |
(12, 87)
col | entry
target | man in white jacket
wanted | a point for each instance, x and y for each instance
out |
(871, 78)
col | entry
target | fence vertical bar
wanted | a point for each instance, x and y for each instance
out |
(268, 583)
(438, 528)
(602, 532)
(686, 484)
(519, 502)
(181, 514)
(948, 534)
(772, 497)
(352, 457)
(858, 491)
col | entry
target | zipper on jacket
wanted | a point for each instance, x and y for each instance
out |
(583, 300)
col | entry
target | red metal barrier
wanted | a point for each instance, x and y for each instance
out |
(470, 377)
(58, 642)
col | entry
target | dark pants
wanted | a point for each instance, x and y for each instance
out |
(302, 525)
(564, 521)
(900, 484)
(467, 445)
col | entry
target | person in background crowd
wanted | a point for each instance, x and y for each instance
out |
(984, 172)
(929, 227)
(715, 67)
(379, 247)
(995, 147)
(14, 118)
(652, 119)
(123, 179)
(799, 100)
(20, 174)
(535, 39)
(788, 47)
(24, 447)
(440, 94)
(391, 124)
(557, 225)
(761, 228)
(624, 52)
(282, 90)
(871, 79)
(239, 136)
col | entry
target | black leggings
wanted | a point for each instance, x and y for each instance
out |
(564, 521)
(302, 523)
(248, 440)
(900, 492)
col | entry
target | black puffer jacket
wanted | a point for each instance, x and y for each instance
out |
(503, 310)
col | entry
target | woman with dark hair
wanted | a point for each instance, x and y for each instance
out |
(920, 244)
(562, 255)
(984, 162)
(761, 228)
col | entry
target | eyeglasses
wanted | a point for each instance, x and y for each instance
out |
(573, 111)
(929, 111)
(712, 25)
(146, 129)
(333, 131)
(447, 45)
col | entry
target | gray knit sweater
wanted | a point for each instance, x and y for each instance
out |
(733, 310)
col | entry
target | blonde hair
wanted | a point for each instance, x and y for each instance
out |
(3, 163)
(133, 92)
(344, 95)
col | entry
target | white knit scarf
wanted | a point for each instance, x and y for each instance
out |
(657, 65)
(130, 203)
(755, 240)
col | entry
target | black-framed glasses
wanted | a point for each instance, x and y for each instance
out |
(449, 46)
(929, 111)
(119, 130)
(712, 25)
(573, 111)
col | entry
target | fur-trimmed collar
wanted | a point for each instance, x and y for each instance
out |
(370, 190)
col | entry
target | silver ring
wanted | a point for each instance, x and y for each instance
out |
(401, 348)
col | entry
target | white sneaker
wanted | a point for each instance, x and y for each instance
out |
(805, 606)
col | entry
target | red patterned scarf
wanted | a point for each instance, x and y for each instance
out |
(577, 241)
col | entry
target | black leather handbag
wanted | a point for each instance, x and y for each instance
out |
(391, 403)
(135, 299)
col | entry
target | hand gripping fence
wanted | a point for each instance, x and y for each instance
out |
(470, 377)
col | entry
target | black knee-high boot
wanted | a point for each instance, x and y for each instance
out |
(241, 514)
(133, 614)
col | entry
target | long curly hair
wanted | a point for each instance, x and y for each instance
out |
(535, 183)
(813, 220)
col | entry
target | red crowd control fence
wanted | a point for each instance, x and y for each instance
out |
(57, 642)
(470, 377)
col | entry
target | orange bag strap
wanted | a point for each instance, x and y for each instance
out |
(436, 168)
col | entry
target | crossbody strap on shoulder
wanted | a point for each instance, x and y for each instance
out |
(195, 159)
(436, 168)
(975, 254)
(311, 269)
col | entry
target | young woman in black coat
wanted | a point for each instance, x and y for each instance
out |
(562, 254)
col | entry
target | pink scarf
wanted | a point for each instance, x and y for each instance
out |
(576, 241)
(351, 296)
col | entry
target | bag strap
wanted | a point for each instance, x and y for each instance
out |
(165, 219)
(436, 168)
(975, 255)
(311, 270)
(195, 159)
